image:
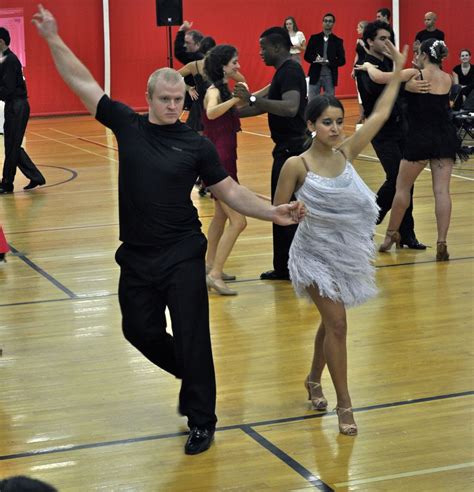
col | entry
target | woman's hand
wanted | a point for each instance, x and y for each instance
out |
(399, 59)
(193, 93)
(364, 67)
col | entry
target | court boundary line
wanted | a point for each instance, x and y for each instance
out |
(43, 273)
(87, 297)
(287, 459)
(248, 430)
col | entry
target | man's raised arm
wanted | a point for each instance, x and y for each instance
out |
(71, 69)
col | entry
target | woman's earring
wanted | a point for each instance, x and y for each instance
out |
(313, 134)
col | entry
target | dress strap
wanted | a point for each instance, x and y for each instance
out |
(305, 164)
(197, 67)
(342, 152)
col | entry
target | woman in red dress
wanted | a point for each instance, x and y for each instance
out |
(221, 124)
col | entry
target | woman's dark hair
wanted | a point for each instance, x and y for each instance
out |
(206, 44)
(435, 49)
(319, 104)
(466, 50)
(292, 19)
(214, 64)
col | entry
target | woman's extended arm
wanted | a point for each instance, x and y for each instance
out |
(379, 77)
(188, 69)
(355, 144)
(213, 107)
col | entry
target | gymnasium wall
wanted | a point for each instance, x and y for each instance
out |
(81, 26)
(138, 46)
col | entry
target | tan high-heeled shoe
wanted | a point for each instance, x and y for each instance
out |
(442, 251)
(346, 429)
(225, 276)
(319, 402)
(221, 290)
(391, 237)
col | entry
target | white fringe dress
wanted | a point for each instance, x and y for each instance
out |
(333, 247)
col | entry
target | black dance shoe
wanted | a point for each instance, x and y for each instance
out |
(6, 188)
(199, 440)
(33, 184)
(412, 243)
(274, 275)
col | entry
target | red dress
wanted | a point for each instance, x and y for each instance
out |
(4, 248)
(222, 132)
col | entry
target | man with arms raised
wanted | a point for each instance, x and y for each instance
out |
(162, 255)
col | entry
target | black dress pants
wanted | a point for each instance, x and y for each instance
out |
(283, 235)
(17, 112)
(389, 150)
(152, 279)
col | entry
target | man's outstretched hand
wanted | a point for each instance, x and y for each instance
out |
(289, 213)
(45, 22)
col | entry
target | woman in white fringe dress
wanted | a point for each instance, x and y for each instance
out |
(332, 252)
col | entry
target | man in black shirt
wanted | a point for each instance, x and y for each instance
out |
(17, 111)
(285, 101)
(187, 46)
(388, 143)
(162, 255)
(430, 31)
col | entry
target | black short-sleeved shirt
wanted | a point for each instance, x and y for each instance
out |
(424, 35)
(158, 166)
(288, 77)
(467, 79)
(12, 82)
(371, 91)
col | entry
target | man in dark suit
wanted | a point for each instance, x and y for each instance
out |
(325, 53)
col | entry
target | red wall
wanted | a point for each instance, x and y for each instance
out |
(138, 46)
(81, 26)
(237, 23)
(455, 18)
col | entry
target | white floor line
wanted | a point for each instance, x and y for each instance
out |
(369, 157)
(258, 134)
(64, 133)
(454, 175)
(426, 471)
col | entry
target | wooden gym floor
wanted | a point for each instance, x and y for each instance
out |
(83, 410)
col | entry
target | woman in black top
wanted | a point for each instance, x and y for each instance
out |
(463, 74)
(358, 60)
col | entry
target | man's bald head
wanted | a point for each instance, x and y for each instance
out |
(430, 20)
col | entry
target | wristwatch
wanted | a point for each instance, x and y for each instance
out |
(252, 100)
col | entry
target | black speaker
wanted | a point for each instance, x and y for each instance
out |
(169, 12)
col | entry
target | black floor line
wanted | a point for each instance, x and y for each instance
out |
(72, 295)
(46, 275)
(133, 440)
(288, 460)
